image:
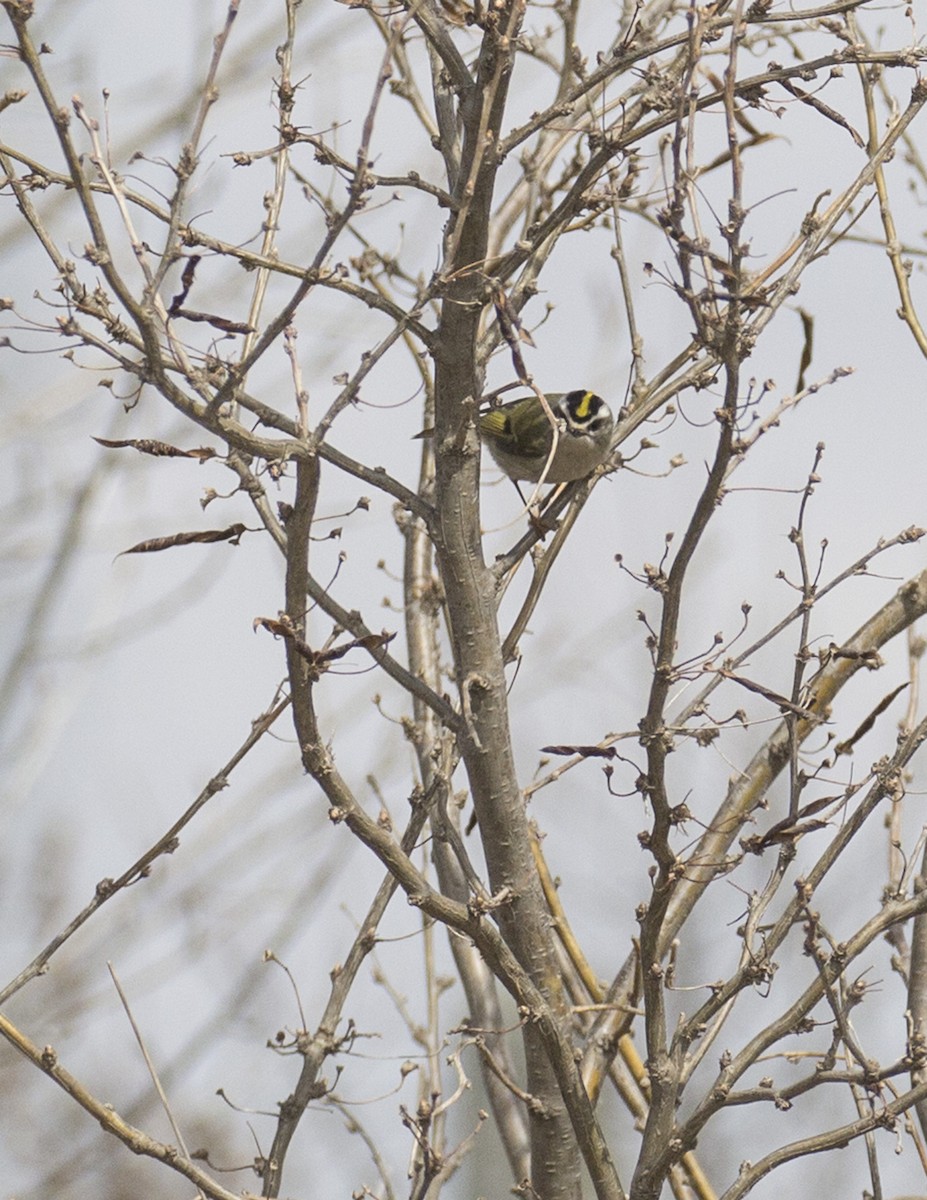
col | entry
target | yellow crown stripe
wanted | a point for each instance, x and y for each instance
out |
(582, 409)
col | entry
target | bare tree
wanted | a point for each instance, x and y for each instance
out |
(642, 151)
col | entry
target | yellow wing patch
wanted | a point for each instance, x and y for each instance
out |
(496, 423)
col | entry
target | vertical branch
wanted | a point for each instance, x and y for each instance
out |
(19, 14)
(901, 270)
(897, 866)
(471, 603)
(357, 191)
(188, 157)
(664, 1063)
(917, 994)
(316, 1049)
(808, 588)
(437, 757)
(636, 383)
(273, 204)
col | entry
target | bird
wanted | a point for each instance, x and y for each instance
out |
(519, 436)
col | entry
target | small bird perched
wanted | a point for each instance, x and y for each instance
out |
(519, 436)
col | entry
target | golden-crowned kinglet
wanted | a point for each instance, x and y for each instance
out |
(519, 436)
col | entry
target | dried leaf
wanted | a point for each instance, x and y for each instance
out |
(158, 449)
(784, 831)
(790, 829)
(807, 324)
(825, 110)
(582, 751)
(781, 702)
(186, 282)
(319, 660)
(509, 320)
(225, 324)
(232, 534)
(847, 746)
